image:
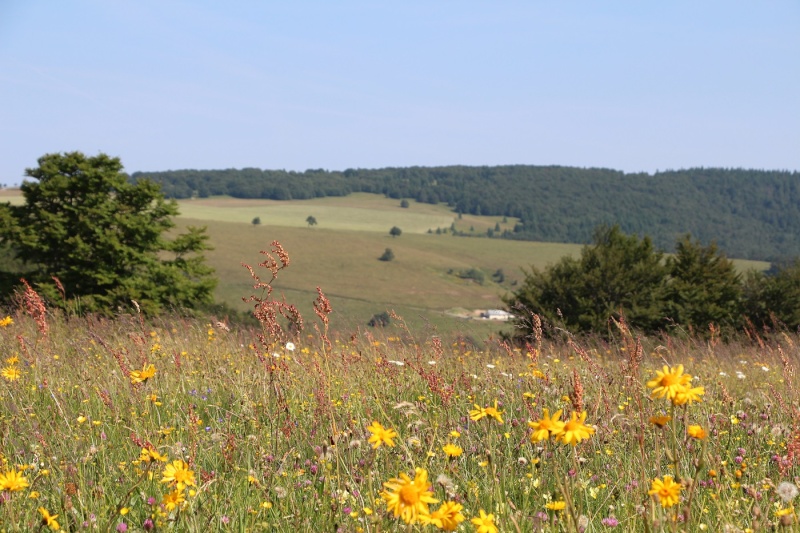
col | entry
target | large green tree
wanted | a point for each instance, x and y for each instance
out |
(616, 274)
(104, 239)
(772, 299)
(704, 287)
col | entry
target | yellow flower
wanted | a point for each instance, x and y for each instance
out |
(81, 419)
(11, 373)
(668, 382)
(13, 360)
(558, 505)
(483, 412)
(547, 427)
(668, 492)
(686, 394)
(446, 517)
(660, 421)
(452, 450)
(49, 520)
(484, 523)
(149, 455)
(381, 435)
(173, 499)
(13, 481)
(409, 498)
(178, 473)
(7, 321)
(575, 430)
(141, 376)
(696, 432)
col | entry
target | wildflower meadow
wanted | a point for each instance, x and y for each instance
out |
(129, 423)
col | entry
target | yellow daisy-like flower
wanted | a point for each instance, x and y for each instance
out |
(668, 382)
(381, 435)
(558, 505)
(575, 430)
(177, 472)
(13, 360)
(688, 395)
(484, 523)
(696, 432)
(547, 427)
(446, 517)
(173, 499)
(11, 373)
(452, 450)
(141, 376)
(13, 481)
(7, 321)
(667, 491)
(49, 520)
(149, 455)
(408, 498)
(482, 412)
(660, 421)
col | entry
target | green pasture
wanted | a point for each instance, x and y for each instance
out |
(357, 212)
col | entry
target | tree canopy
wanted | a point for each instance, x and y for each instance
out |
(624, 275)
(92, 240)
(751, 214)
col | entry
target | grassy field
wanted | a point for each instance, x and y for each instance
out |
(341, 253)
(125, 424)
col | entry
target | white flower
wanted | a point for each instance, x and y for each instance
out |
(275, 354)
(431, 362)
(489, 366)
(723, 374)
(787, 491)
(740, 375)
(765, 368)
(290, 346)
(398, 363)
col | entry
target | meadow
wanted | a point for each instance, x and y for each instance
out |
(135, 424)
(341, 252)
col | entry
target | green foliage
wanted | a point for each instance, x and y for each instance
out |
(751, 214)
(473, 274)
(311, 221)
(620, 275)
(617, 274)
(257, 221)
(102, 238)
(380, 320)
(704, 287)
(772, 299)
(395, 231)
(404, 203)
(388, 255)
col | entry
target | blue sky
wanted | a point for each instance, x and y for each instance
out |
(631, 85)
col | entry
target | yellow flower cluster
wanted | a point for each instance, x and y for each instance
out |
(571, 432)
(11, 372)
(409, 499)
(671, 383)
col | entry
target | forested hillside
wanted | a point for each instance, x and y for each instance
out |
(751, 214)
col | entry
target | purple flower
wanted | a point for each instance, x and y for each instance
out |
(225, 519)
(610, 521)
(151, 501)
(347, 510)
(122, 527)
(148, 525)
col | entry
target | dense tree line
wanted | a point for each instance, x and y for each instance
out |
(749, 213)
(696, 290)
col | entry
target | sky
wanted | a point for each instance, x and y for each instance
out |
(633, 85)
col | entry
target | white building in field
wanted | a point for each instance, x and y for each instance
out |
(496, 314)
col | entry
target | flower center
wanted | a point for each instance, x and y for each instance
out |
(670, 380)
(409, 495)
